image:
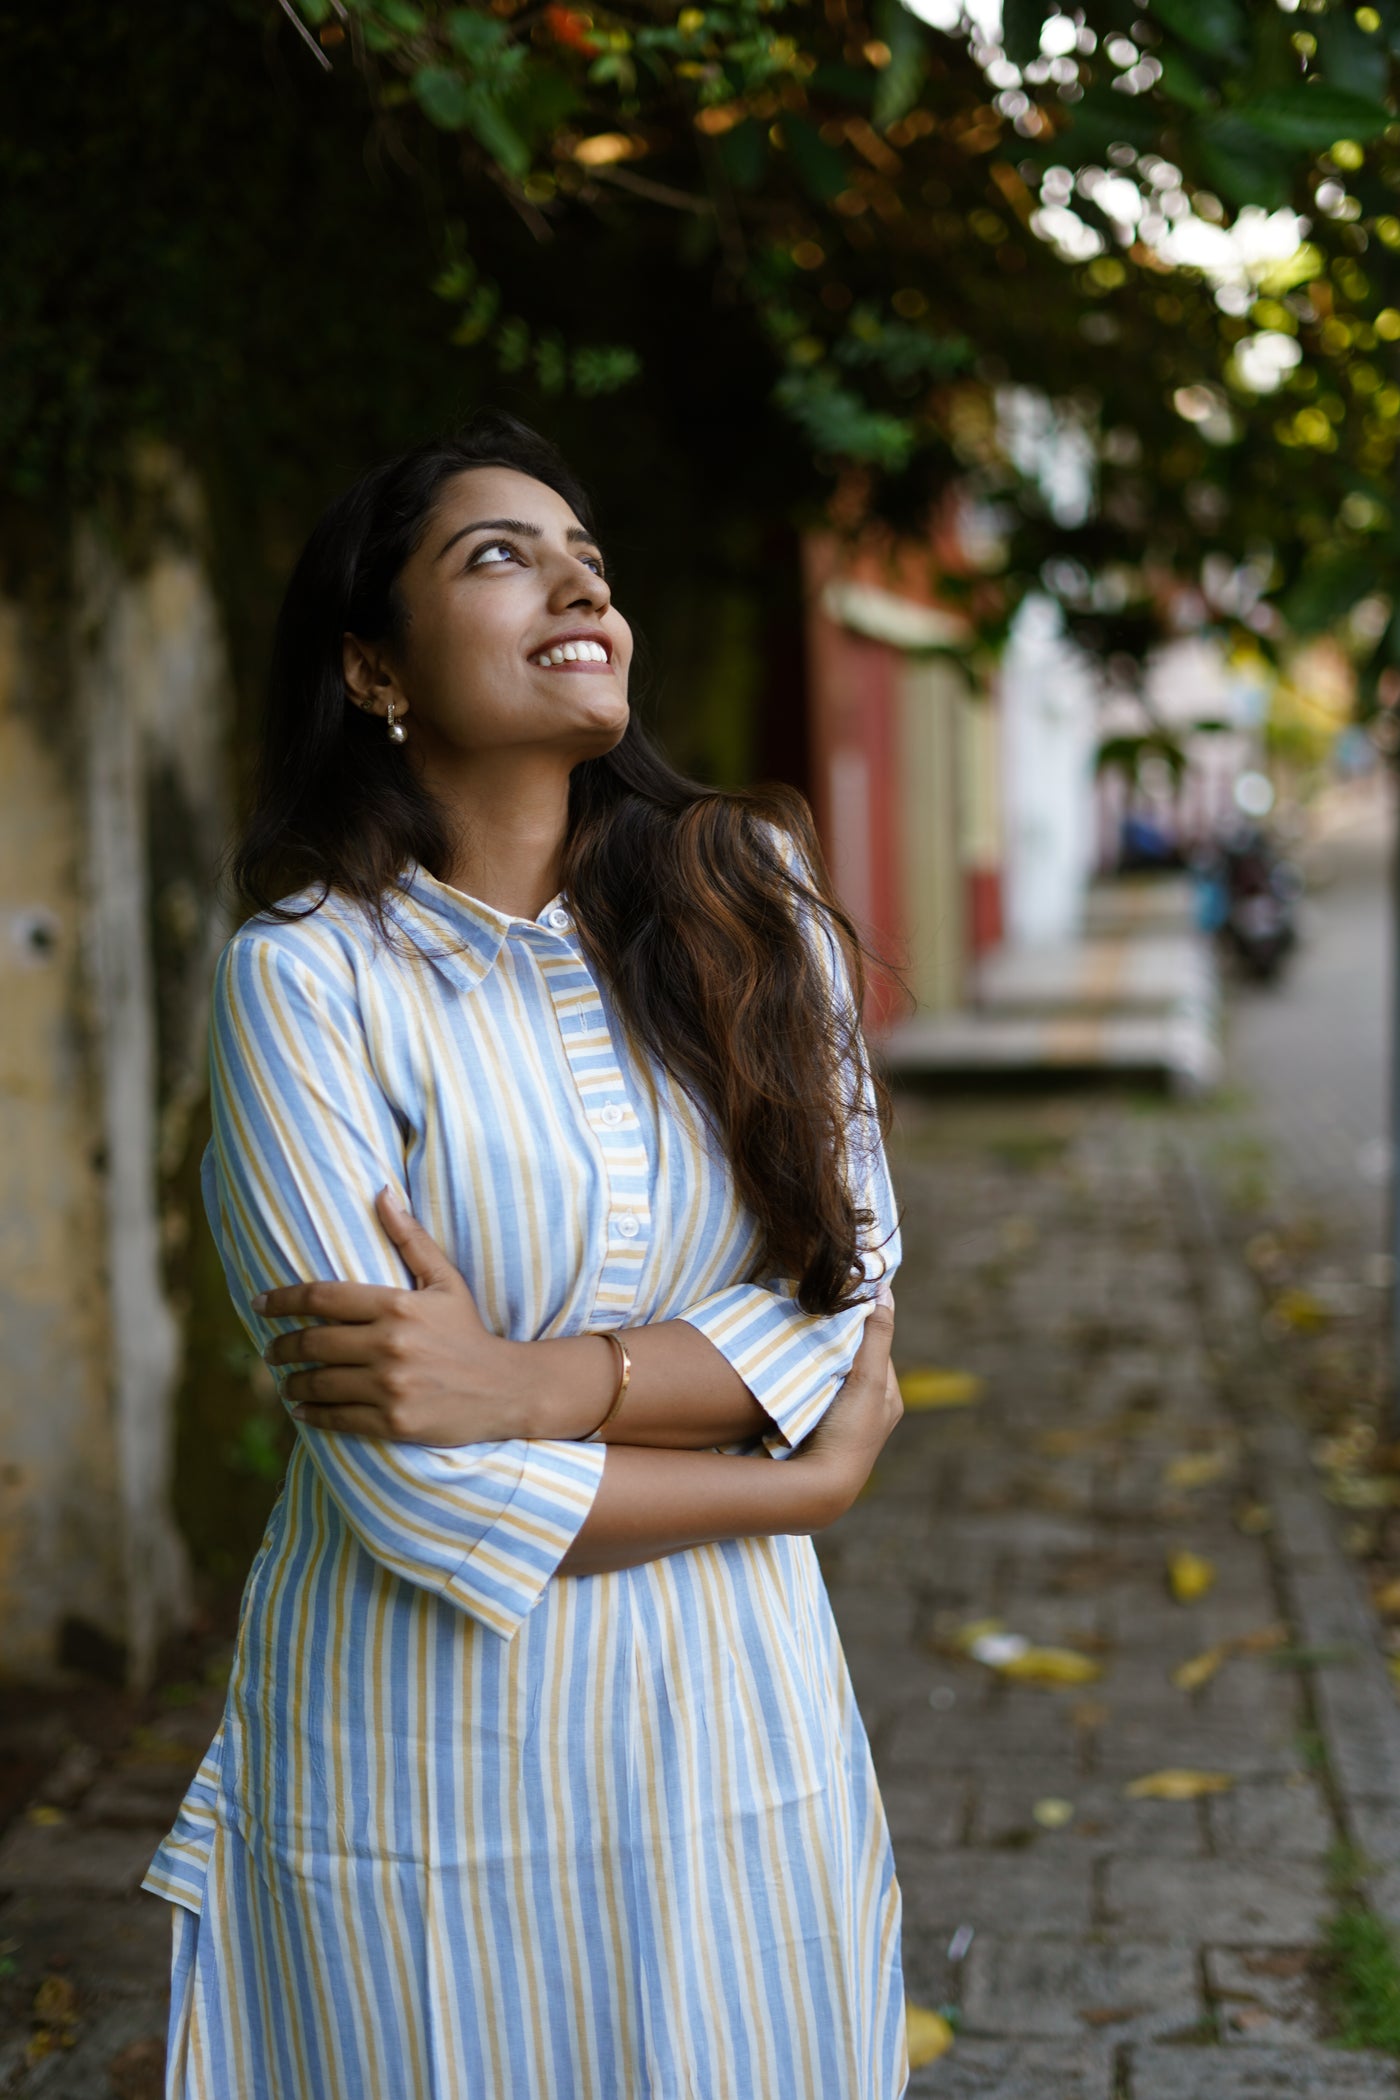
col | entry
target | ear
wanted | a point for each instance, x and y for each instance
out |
(370, 679)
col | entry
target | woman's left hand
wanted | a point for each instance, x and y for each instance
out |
(416, 1366)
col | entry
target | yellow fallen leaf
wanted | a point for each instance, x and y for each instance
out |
(1066, 1443)
(1178, 1783)
(926, 1387)
(44, 1816)
(1254, 1519)
(1190, 1676)
(1261, 1640)
(1190, 1575)
(1199, 1468)
(1051, 1666)
(1053, 1814)
(1388, 1598)
(1300, 1311)
(929, 2035)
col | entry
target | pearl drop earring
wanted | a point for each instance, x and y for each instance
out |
(396, 731)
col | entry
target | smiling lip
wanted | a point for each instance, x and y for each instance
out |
(576, 634)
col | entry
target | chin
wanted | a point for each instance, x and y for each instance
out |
(605, 730)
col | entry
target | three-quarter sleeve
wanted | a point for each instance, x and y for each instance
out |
(793, 1362)
(303, 1138)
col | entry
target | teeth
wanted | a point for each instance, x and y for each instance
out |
(572, 653)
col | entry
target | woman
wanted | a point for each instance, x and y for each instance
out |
(540, 1773)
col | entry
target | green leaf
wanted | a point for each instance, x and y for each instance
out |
(493, 130)
(603, 368)
(902, 78)
(1180, 84)
(1104, 118)
(1021, 24)
(1327, 590)
(743, 154)
(837, 421)
(1238, 163)
(1310, 118)
(1213, 26)
(822, 169)
(403, 16)
(444, 97)
(1350, 57)
(315, 11)
(477, 37)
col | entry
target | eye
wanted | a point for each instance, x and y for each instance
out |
(492, 548)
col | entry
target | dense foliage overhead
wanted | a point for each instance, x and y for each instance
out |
(744, 257)
(921, 212)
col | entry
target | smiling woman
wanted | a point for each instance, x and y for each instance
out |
(540, 1771)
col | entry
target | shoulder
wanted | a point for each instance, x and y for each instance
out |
(319, 952)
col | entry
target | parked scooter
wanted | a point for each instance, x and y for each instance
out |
(1250, 897)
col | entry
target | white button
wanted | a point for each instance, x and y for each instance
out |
(612, 1115)
(560, 920)
(627, 1226)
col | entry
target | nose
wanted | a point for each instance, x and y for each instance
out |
(577, 584)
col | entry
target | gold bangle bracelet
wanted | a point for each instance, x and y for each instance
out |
(624, 1380)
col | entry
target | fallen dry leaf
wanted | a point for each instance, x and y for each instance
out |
(929, 2035)
(1052, 1813)
(1190, 1676)
(1051, 1666)
(1089, 1714)
(1254, 1519)
(925, 1387)
(1199, 1468)
(1107, 2015)
(56, 2001)
(1388, 1598)
(45, 1816)
(1261, 1641)
(1299, 1311)
(1178, 1783)
(1190, 1575)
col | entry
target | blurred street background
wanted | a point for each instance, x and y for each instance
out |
(992, 410)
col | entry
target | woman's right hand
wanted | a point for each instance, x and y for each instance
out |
(853, 1431)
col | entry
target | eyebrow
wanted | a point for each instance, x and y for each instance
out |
(529, 532)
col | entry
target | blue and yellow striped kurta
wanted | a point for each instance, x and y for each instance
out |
(472, 1830)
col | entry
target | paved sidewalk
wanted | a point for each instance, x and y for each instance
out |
(1116, 1948)
(1121, 1948)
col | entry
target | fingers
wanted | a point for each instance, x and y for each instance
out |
(321, 1345)
(325, 1301)
(418, 1248)
(874, 1352)
(332, 1386)
(345, 1421)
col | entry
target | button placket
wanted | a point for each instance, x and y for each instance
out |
(603, 1103)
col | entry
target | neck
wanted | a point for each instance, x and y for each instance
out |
(510, 817)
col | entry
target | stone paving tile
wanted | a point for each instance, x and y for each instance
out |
(129, 2033)
(1103, 1818)
(116, 1945)
(1266, 1996)
(1055, 1991)
(75, 1858)
(1269, 1819)
(1276, 1904)
(976, 2070)
(995, 1891)
(1236, 2073)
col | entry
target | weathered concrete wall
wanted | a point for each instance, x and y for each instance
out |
(60, 1547)
(110, 821)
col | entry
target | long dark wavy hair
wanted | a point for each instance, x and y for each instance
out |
(683, 896)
